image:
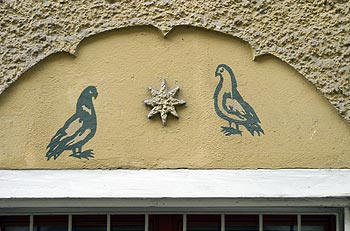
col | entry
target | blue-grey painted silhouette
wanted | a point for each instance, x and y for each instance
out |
(230, 105)
(77, 130)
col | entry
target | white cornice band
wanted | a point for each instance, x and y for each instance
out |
(80, 184)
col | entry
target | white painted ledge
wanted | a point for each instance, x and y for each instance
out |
(298, 183)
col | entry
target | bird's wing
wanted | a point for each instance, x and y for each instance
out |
(67, 132)
(253, 121)
(232, 106)
(250, 113)
(80, 136)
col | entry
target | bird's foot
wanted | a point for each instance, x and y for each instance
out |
(85, 154)
(230, 131)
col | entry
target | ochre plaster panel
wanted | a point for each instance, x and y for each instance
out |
(301, 128)
(311, 36)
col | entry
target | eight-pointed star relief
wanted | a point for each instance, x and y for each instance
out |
(163, 102)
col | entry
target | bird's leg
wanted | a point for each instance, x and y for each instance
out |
(230, 130)
(87, 154)
(75, 153)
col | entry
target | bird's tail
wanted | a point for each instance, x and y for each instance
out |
(54, 151)
(254, 127)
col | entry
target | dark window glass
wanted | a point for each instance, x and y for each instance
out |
(203, 222)
(242, 222)
(165, 222)
(14, 223)
(51, 223)
(128, 222)
(318, 222)
(280, 222)
(89, 223)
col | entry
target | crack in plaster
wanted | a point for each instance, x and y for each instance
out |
(311, 36)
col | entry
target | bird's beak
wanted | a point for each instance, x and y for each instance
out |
(217, 74)
(95, 96)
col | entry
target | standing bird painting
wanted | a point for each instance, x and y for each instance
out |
(77, 130)
(230, 105)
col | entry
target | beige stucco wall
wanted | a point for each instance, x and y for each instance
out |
(302, 130)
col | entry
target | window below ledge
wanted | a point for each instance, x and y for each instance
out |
(171, 222)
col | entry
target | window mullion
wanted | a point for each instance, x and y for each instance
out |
(299, 222)
(146, 222)
(70, 223)
(346, 219)
(222, 222)
(184, 222)
(261, 222)
(108, 222)
(31, 223)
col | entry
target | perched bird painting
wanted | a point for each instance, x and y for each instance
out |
(77, 130)
(230, 105)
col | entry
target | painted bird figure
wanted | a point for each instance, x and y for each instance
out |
(230, 105)
(77, 130)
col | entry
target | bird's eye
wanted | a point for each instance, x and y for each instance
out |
(222, 70)
(90, 92)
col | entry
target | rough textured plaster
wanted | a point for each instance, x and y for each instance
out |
(313, 37)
